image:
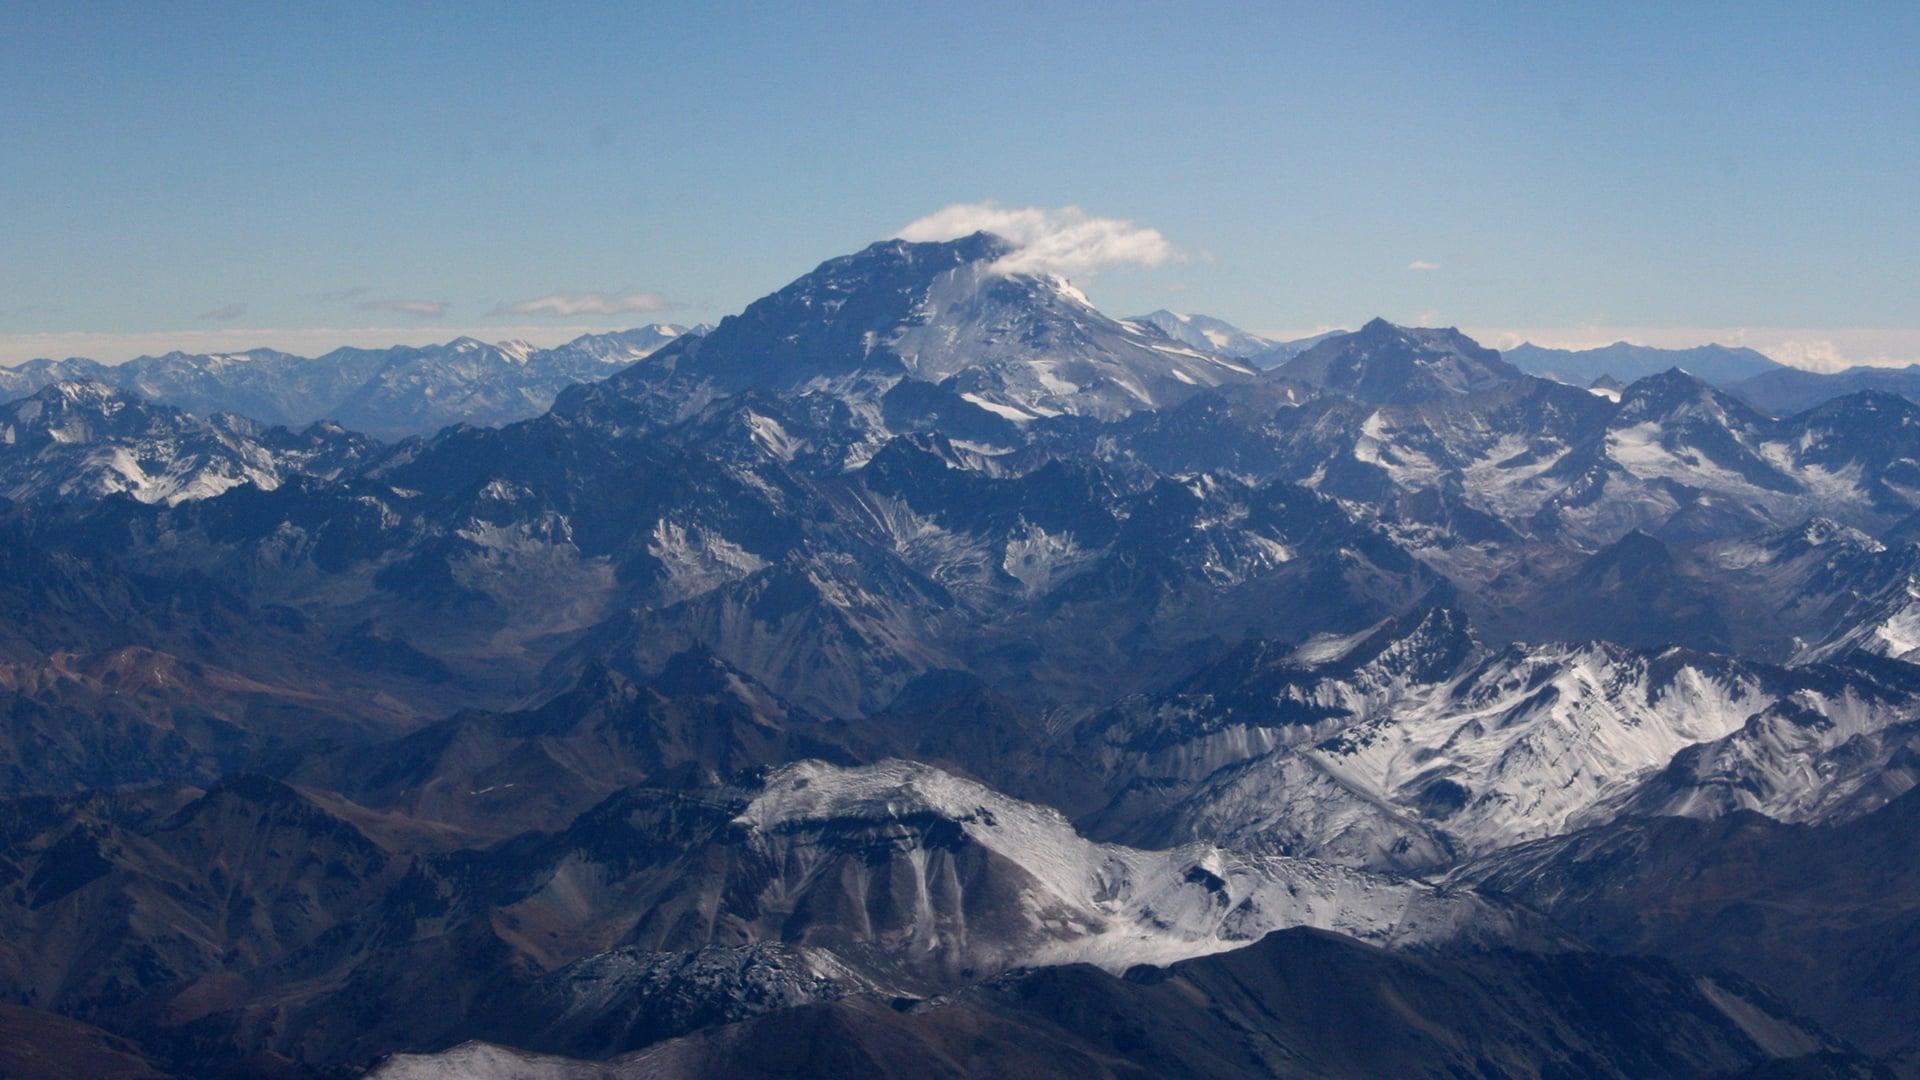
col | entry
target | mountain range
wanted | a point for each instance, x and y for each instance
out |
(924, 673)
(385, 393)
(1718, 364)
(1768, 385)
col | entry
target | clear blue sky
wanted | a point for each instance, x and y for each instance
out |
(178, 171)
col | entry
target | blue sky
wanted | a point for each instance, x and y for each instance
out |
(221, 176)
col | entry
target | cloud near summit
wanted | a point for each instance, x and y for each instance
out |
(1064, 240)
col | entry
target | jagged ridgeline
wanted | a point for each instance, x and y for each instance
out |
(923, 673)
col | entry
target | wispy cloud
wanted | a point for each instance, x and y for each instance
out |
(1065, 240)
(338, 296)
(1422, 264)
(419, 309)
(225, 313)
(570, 304)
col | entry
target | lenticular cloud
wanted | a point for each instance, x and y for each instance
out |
(1066, 240)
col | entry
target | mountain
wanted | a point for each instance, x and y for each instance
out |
(1817, 590)
(140, 715)
(1411, 744)
(1020, 345)
(85, 440)
(1299, 1003)
(1461, 476)
(414, 391)
(23, 380)
(1282, 351)
(1838, 747)
(1208, 334)
(1823, 914)
(1722, 365)
(1607, 387)
(1051, 897)
(388, 393)
(1635, 591)
(1386, 364)
(629, 997)
(1673, 443)
(235, 875)
(505, 774)
(1785, 391)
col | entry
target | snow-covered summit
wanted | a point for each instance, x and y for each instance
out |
(1385, 363)
(1207, 333)
(1019, 344)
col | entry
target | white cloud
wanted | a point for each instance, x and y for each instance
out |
(571, 304)
(225, 312)
(1422, 264)
(419, 309)
(1064, 240)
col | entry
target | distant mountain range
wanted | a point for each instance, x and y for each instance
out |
(1788, 390)
(1721, 365)
(386, 393)
(409, 390)
(1761, 382)
(1750, 375)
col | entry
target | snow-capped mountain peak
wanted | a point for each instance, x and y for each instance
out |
(1385, 363)
(1022, 345)
(86, 440)
(1207, 333)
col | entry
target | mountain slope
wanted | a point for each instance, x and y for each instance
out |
(1299, 1003)
(1386, 364)
(1827, 916)
(83, 441)
(501, 774)
(37, 1045)
(160, 887)
(25, 380)
(1785, 391)
(1412, 743)
(1208, 334)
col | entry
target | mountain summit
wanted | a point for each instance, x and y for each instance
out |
(1386, 364)
(1208, 333)
(1023, 345)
